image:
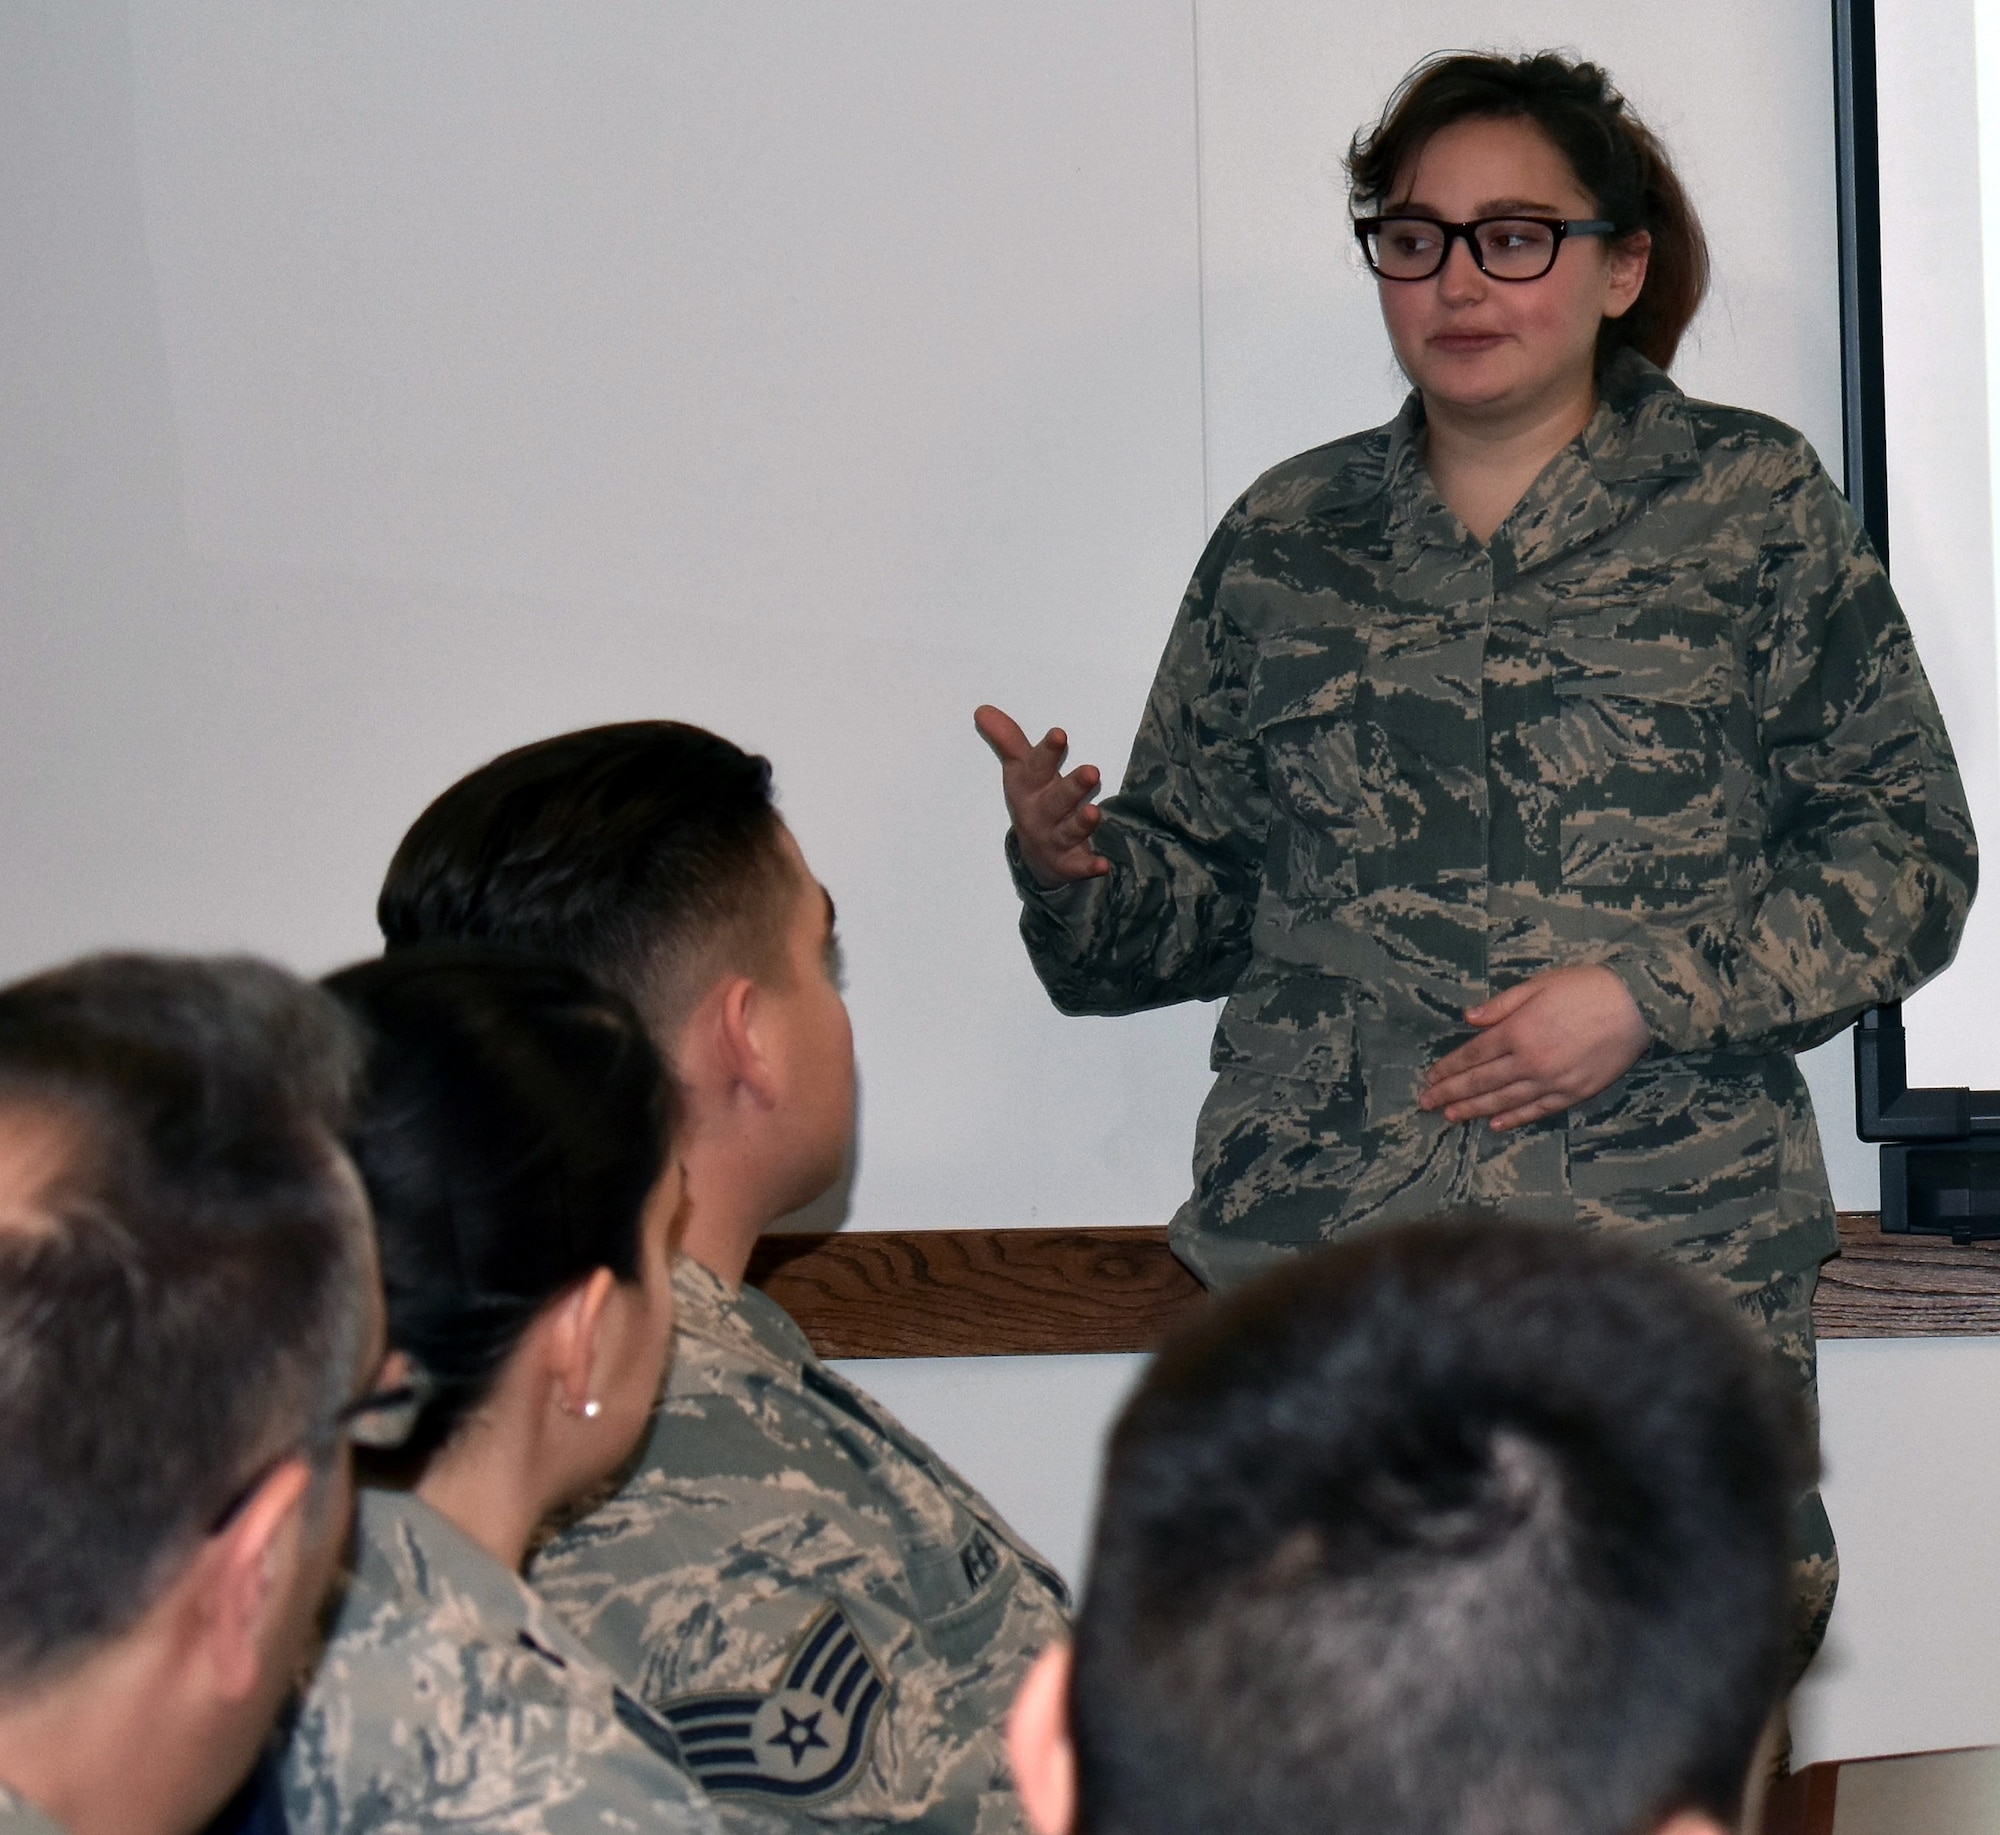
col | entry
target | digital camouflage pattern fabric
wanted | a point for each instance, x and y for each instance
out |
(832, 1621)
(450, 1698)
(1782, 1311)
(20, 1817)
(1669, 719)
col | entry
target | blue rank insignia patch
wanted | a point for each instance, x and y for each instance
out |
(808, 1737)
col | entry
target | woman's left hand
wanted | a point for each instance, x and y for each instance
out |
(1553, 1041)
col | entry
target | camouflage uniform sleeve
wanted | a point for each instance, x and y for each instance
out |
(434, 1733)
(1869, 862)
(707, 1586)
(1184, 834)
(19, 1817)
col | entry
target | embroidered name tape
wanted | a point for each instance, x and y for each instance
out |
(808, 1737)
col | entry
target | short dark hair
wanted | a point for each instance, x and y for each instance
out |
(1615, 156)
(513, 1125)
(648, 854)
(1465, 1525)
(186, 1295)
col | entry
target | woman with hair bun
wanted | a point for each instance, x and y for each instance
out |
(1537, 774)
(513, 1142)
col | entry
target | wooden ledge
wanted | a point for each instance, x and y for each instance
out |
(1024, 1293)
(977, 1293)
(1803, 1803)
(1906, 1286)
(1911, 1793)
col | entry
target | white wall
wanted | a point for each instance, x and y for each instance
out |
(405, 383)
(382, 386)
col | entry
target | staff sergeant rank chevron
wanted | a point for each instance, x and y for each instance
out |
(805, 1738)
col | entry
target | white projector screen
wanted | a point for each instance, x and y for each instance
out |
(1937, 132)
(390, 385)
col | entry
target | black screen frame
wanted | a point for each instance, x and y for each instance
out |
(1858, 180)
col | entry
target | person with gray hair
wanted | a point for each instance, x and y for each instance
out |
(190, 1334)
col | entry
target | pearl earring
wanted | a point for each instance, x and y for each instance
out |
(592, 1409)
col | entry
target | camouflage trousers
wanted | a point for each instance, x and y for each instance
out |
(1712, 1162)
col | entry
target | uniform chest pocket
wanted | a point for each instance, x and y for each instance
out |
(1644, 705)
(1303, 691)
(1303, 687)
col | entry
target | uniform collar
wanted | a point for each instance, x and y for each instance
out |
(18, 1814)
(410, 1552)
(708, 1308)
(421, 1547)
(425, 1554)
(1639, 437)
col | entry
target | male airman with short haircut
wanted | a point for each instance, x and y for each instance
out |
(831, 1619)
(190, 1327)
(1458, 1528)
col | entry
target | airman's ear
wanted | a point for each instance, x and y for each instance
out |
(1038, 1745)
(731, 1016)
(571, 1330)
(244, 1577)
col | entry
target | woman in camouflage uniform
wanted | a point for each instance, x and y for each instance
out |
(1537, 774)
(511, 1140)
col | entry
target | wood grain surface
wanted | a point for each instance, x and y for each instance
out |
(1803, 1803)
(977, 1293)
(1019, 1293)
(1906, 1286)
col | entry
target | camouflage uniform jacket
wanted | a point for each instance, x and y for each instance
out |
(450, 1698)
(830, 1618)
(1669, 719)
(20, 1817)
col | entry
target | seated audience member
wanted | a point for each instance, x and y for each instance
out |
(1454, 1529)
(189, 1327)
(512, 1140)
(831, 1618)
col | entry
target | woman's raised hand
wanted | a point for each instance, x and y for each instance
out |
(1052, 813)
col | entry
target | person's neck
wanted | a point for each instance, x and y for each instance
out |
(727, 1207)
(487, 1480)
(102, 1752)
(1482, 462)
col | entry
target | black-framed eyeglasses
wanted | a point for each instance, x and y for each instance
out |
(1503, 248)
(379, 1419)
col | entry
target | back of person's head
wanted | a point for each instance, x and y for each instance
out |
(187, 1290)
(1458, 1527)
(1617, 159)
(513, 1127)
(649, 854)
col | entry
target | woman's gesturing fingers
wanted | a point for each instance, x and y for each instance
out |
(1010, 745)
(1052, 814)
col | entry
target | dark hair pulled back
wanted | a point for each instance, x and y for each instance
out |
(513, 1125)
(1615, 156)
